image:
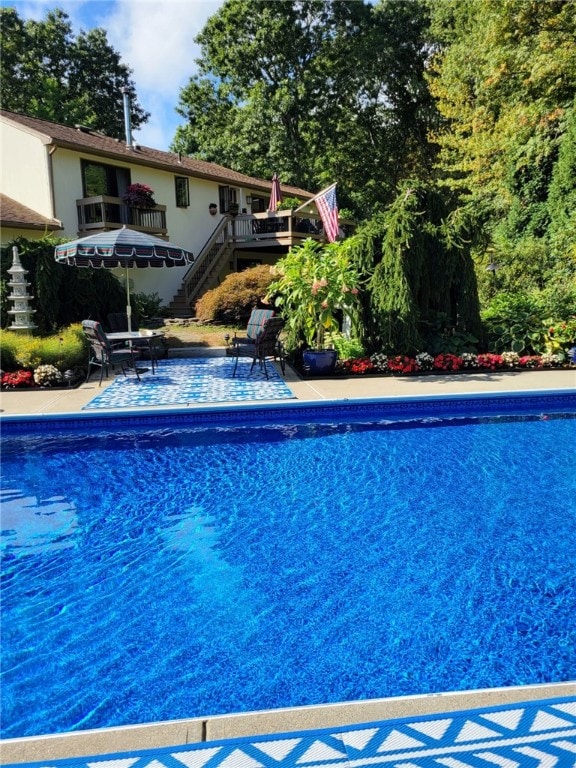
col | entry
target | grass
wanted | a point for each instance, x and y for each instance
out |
(196, 335)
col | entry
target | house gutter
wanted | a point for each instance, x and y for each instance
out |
(52, 149)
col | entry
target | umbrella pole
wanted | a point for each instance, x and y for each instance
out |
(128, 305)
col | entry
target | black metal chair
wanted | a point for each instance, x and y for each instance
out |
(103, 354)
(266, 346)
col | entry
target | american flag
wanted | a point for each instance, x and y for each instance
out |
(328, 210)
(276, 196)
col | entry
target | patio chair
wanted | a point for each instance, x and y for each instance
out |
(103, 354)
(255, 324)
(265, 346)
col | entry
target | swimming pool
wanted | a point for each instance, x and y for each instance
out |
(187, 564)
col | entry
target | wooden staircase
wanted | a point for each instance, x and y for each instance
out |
(203, 274)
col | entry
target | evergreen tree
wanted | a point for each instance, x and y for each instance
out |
(420, 274)
(562, 193)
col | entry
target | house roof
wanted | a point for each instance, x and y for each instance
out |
(13, 214)
(86, 140)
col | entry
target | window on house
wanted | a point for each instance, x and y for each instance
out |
(226, 196)
(102, 179)
(258, 204)
(182, 188)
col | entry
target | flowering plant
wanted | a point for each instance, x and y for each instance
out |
(314, 280)
(490, 361)
(529, 361)
(469, 360)
(380, 362)
(47, 376)
(447, 362)
(549, 360)
(402, 364)
(139, 196)
(561, 334)
(425, 361)
(21, 378)
(358, 365)
(510, 359)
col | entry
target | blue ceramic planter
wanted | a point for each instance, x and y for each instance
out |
(319, 362)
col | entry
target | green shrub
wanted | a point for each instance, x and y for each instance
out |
(66, 350)
(515, 322)
(346, 348)
(4, 306)
(289, 203)
(146, 305)
(441, 338)
(235, 298)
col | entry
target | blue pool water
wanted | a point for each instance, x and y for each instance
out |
(189, 569)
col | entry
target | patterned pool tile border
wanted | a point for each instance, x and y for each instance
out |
(393, 408)
(526, 735)
(188, 381)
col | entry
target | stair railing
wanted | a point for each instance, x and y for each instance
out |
(208, 257)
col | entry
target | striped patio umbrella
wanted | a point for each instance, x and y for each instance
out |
(276, 194)
(122, 248)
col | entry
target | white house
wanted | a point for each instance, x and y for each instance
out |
(69, 182)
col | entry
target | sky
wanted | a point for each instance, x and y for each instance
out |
(155, 38)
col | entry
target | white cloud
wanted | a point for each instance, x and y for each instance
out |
(155, 38)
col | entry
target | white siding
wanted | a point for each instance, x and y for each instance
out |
(51, 182)
(25, 169)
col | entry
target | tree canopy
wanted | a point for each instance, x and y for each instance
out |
(316, 91)
(50, 74)
(504, 79)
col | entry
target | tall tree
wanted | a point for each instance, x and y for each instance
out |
(49, 73)
(505, 80)
(562, 192)
(313, 90)
(419, 273)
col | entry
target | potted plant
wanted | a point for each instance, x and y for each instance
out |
(313, 281)
(139, 196)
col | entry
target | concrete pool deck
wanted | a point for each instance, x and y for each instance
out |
(17, 402)
(239, 726)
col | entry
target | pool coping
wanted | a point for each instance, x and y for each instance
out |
(288, 721)
(251, 411)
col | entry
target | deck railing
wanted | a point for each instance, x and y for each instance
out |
(106, 212)
(276, 225)
(245, 231)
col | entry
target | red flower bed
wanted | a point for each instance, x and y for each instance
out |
(448, 362)
(490, 361)
(402, 364)
(530, 361)
(358, 365)
(19, 378)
